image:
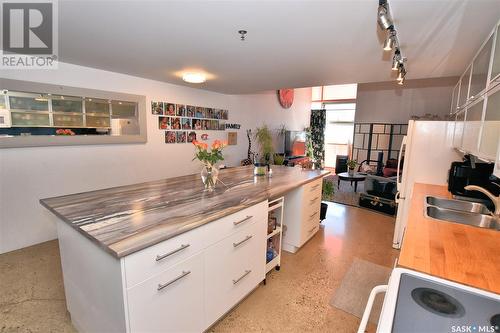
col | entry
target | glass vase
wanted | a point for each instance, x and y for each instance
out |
(209, 175)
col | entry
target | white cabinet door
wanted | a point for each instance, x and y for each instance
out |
(459, 129)
(490, 135)
(495, 68)
(480, 67)
(463, 95)
(234, 267)
(171, 301)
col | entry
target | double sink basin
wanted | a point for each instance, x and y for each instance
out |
(459, 211)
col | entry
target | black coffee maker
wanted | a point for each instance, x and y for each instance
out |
(469, 173)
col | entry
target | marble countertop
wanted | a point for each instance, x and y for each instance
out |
(126, 219)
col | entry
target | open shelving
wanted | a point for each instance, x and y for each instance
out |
(274, 234)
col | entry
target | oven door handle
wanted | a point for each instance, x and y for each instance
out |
(369, 305)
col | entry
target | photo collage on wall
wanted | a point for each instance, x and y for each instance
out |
(181, 122)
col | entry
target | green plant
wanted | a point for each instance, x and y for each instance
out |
(328, 190)
(281, 131)
(279, 159)
(309, 146)
(265, 139)
(351, 164)
(209, 158)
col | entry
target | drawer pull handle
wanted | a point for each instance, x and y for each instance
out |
(243, 220)
(312, 229)
(163, 256)
(248, 271)
(243, 241)
(184, 273)
(314, 187)
(313, 215)
(313, 200)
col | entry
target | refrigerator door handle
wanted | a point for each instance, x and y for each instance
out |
(398, 181)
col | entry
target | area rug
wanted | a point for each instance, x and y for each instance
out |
(356, 286)
(344, 194)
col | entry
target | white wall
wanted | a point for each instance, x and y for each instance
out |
(387, 102)
(28, 174)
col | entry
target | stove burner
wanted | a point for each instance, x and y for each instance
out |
(495, 322)
(438, 302)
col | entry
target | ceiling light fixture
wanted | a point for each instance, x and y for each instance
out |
(193, 77)
(401, 74)
(243, 34)
(396, 60)
(390, 41)
(384, 18)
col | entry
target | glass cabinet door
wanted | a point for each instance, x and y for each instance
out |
(459, 129)
(480, 68)
(30, 119)
(123, 110)
(454, 99)
(97, 106)
(472, 127)
(2, 101)
(464, 88)
(490, 136)
(67, 104)
(495, 70)
(28, 103)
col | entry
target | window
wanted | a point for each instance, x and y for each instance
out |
(339, 130)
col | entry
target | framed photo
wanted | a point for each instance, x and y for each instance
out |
(169, 109)
(200, 112)
(175, 123)
(222, 126)
(180, 110)
(197, 124)
(214, 124)
(186, 123)
(170, 137)
(191, 136)
(224, 114)
(157, 108)
(190, 111)
(209, 113)
(232, 138)
(204, 124)
(164, 122)
(181, 137)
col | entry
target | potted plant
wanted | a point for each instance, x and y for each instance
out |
(351, 165)
(209, 172)
(265, 139)
(327, 194)
(309, 148)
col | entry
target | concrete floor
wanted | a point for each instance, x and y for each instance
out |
(295, 299)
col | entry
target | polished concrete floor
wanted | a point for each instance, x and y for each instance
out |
(295, 299)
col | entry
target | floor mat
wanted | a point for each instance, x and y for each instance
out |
(356, 286)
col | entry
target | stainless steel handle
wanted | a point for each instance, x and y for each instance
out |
(313, 200)
(163, 256)
(314, 187)
(184, 273)
(312, 230)
(241, 221)
(248, 271)
(314, 214)
(243, 241)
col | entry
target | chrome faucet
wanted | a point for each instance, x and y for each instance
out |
(496, 200)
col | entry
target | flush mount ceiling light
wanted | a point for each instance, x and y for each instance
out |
(243, 34)
(193, 77)
(384, 20)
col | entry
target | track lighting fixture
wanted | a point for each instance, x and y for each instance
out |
(385, 22)
(390, 41)
(384, 17)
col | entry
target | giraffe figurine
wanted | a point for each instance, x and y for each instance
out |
(248, 160)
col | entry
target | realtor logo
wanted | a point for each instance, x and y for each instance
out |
(29, 34)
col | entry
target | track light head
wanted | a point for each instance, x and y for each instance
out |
(384, 18)
(390, 41)
(402, 81)
(396, 60)
(402, 73)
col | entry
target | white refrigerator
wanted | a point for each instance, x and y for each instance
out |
(428, 152)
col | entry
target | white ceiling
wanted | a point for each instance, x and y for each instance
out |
(289, 43)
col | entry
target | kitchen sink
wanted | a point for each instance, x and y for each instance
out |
(465, 206)
(463, 217)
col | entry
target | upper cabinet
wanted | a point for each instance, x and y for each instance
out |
(475, 102)
(495, 69)
(480, 68)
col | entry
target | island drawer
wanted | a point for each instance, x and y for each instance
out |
(228, 225)
(171, 301)
(233, 268)
(143, 264)
(313, 187)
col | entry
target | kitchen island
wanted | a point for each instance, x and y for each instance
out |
(167, 256)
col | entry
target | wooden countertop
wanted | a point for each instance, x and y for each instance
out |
(456, 252)
(126, 219)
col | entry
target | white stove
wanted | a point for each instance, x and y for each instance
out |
(420, 303)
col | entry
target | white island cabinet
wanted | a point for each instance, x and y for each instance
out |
(183, 284)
